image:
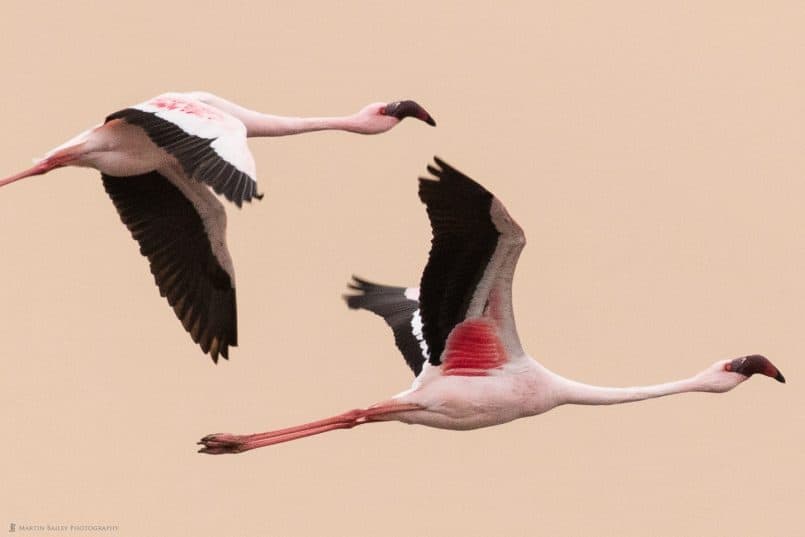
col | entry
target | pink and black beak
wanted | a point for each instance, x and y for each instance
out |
(404, 109)
(749, 365)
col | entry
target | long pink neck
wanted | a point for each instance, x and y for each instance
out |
(577, 393)
(258, 124)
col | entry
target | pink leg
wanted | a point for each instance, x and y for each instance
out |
(64, 157)
(216, 444)
(39, 169)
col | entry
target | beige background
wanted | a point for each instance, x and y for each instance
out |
(653, 155)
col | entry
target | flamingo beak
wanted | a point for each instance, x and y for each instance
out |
(749, 365)
(404, 109)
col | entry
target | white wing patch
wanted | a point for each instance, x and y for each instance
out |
(412, 293)
(416, 329)
(228, 134)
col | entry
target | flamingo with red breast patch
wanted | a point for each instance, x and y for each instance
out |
(457, 333)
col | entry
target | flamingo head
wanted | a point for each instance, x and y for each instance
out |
(724, 375)
(380, 117)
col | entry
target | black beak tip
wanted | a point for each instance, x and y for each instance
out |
(779, 377)
(408, 108)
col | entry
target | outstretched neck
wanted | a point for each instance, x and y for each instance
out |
(578, 393)
(258, 124)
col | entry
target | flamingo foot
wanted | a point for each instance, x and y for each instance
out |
(220, 443)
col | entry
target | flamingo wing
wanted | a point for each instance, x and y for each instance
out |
(209, 144)
(181, 232)
(399, 307)
(465, 291)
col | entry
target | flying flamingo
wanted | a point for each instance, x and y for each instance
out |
(457, 333)
(159, 161)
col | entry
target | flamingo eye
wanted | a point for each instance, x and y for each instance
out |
(728, 366)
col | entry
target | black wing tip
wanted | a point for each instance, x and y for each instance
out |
(440, 171)
(221, 352)
(354, 302)
(249, 198)
(213, 338)
(447, 177)
(368, 287)
(360, 285)
(437, 169)
(434, 171)
(368, 293)
(239, 201)
(441, 168)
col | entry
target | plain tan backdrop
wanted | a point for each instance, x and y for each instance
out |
(654, 156)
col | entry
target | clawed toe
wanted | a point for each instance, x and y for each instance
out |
(220, 443)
